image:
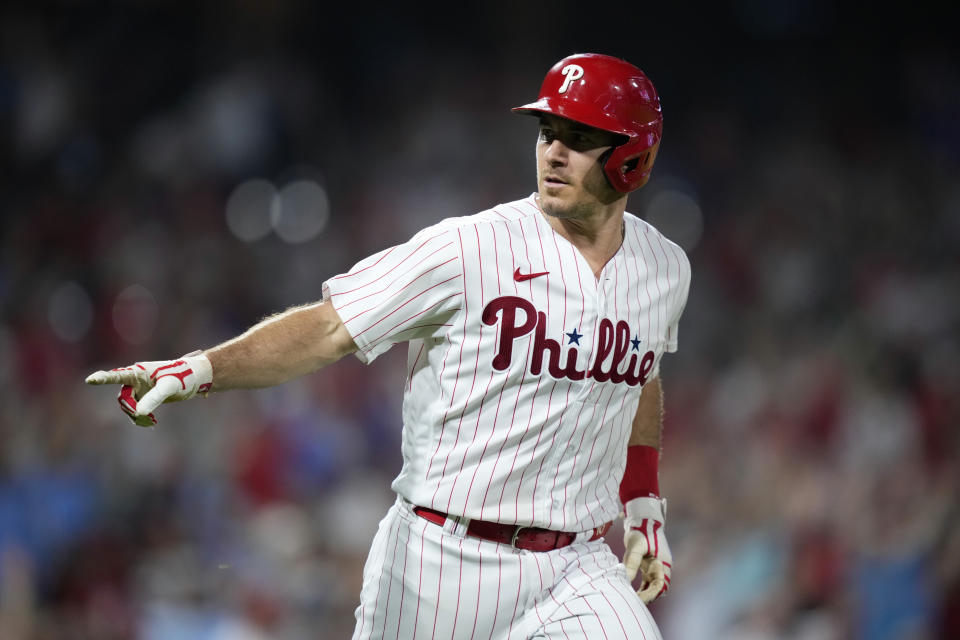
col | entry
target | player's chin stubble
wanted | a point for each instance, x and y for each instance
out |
(577, 209)
(556, 206)
(570, 211)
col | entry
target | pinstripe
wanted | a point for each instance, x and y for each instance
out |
(646, 289)
(536, 609)
(400, 335)
(361, 613)
(390, 580)
(483, 397)
(477, 430)
(661, 309)
(533, 453)
(543, 458)
(403, 590)
(536, 480)
(496, 253)
(599, 429)
(590, 583)
(681, 286)
(558, 603)
(381, 578)
(359, 271)
(466, 315)
(411, 300)
(476, 611)
(515, 404)
(593, 330)
(456, 611)
(436, 612)
(587, 359)
(453, 393)
(496, 413)
(623, 424)
(413, 367)
(566, 402)
(526, 429)
(496, 606)
(516, 603)
(587, 603)
(608, 429)
(583, 393)
(576, 467)
(579, 620)
(564, 631)
(640, 624)
(606, 462)
(393, 283)
(416, 616)
(543, 257)
(604, 577)
(648, 617)
(613, 609)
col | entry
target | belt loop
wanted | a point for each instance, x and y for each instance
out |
(456, 525)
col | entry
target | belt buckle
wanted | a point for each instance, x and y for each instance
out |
(516, 533)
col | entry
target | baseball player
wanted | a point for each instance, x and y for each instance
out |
(532, 405)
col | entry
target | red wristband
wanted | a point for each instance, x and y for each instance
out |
(640, 477)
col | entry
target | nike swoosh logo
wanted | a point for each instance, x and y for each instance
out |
(523, 277)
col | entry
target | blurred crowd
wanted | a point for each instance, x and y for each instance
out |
(171, 179)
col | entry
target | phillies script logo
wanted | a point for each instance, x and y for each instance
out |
(612, 339)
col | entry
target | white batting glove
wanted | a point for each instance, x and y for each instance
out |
(646, 546)
(147, 385)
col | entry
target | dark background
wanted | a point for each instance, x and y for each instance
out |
(173, 172)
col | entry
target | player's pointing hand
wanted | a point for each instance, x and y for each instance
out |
(147, 385)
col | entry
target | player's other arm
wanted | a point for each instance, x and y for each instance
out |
(290, 344)
(648, 421)
(646, 548)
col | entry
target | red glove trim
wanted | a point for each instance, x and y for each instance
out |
(640, 480)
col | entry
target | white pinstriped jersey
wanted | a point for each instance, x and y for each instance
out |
(524, 369)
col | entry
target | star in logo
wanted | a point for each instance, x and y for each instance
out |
(574, 336)
(636, 343)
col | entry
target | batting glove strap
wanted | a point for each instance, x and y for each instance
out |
(645, 509)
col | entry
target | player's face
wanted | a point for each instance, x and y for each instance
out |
(570, 176)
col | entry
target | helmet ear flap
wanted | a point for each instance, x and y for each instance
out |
(628, 166)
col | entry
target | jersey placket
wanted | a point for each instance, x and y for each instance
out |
(548, 498)
(593, 297)
(587, 391)
(597, 299)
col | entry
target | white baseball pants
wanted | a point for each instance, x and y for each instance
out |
(425, 581)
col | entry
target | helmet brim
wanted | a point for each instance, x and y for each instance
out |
(591, 118)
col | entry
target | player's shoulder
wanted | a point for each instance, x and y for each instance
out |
(506, 213)
(646, 233)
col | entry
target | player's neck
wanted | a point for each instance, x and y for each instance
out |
(597, 237)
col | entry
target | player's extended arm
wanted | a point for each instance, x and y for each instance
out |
(290, 344)
(298, 341)
(645, 545)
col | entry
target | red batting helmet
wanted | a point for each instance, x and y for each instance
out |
(610, 94)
